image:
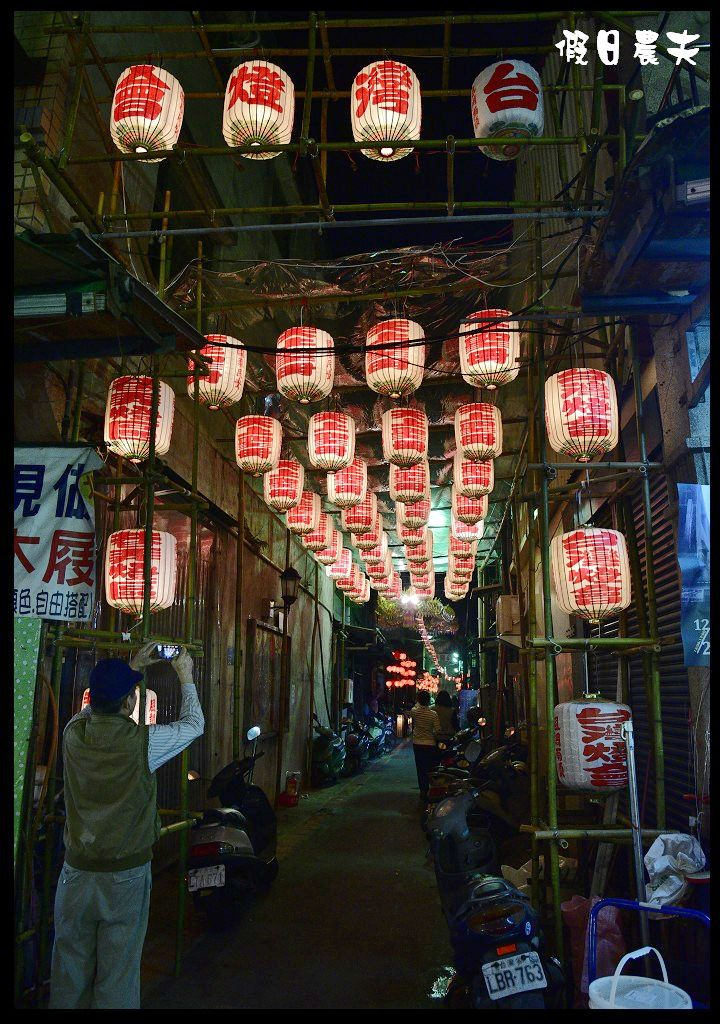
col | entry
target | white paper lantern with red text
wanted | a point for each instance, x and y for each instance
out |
(422, 552)
(225, 382)
(124, 570)
(404, 436)
(410, 483)
(259, 107)
(478, 431)
(331, 440)
(453, 593)
(591, 572)
(581, 413)
(320, 538)
(340, 568)
(362, 596)
(305, 516)
(383, 569)
(353, 580)
(468, 510)
(305, 364)
(489, 348)
(348, 487)
(361, 517)
(411, 538)
(147, 111)
(258, 441)
(283, 485)
(423, 591)
(461, 568)
(377, 554)
(466, 531)
(394, 589)
(473, 479)
(127, 417)
(464, 548)
(371, 538)
(332, 552)
(385, 106)
(413, 514)
(590, 750)
(395, 357)
(506, 102)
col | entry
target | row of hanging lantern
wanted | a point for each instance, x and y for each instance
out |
(385, 107)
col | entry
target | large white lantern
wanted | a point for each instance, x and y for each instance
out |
(489, 348)
(258, 441)
(305, 364)
(283, 485)
(404, 436)
(581, 413)
(376, 555)
(506, 101)
(385, 107)
(468, 510)
(340, 568)
(591, 572)
(147, 111)
(412, 515)
(454, 593)
(125, 570)
(464, 548)
(409, 537)
(348, 487)
(395, 357)
(371, 538)
(320, 538)
(466, 531)
(461, 567)
(381, 569)
(305, 516)
(422, 552)
(331, 440)
(259, 107)
(473, 479)
(410, 484)
(590, 750)
(225, 382)
(333, 551)
(361, 517)
(478, 431)
(127, 417)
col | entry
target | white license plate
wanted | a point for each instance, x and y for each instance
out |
(514, 974)
(206, 878)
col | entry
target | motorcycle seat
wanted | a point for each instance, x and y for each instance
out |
(225, 815)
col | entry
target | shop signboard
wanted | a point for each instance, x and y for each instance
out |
(694, 559)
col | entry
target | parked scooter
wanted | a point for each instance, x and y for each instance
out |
(357, 746)
(233, 847)
(328, 755)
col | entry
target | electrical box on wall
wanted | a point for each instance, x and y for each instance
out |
(507, 618)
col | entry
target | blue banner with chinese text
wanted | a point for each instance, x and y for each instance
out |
(694, 559)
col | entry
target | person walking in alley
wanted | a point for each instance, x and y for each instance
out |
(426, 727)
(103, 893)
(447, 715)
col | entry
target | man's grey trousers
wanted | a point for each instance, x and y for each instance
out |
(100, 923)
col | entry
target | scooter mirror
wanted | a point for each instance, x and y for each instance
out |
(253, 733)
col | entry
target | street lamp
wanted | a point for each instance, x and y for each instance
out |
(289, 583)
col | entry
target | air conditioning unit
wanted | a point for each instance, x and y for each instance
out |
(507, 618)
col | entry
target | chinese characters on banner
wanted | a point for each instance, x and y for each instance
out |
(694, 559)
(54, 535)
(573, 47)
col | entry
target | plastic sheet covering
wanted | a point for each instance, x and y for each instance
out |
(670, 858)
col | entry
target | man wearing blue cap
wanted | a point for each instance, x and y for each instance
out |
(103, 893)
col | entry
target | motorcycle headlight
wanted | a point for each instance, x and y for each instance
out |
(497, 919)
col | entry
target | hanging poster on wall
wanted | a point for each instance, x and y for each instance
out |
(54, 536)
(694, 559)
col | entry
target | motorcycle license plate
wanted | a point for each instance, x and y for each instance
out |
(514, 974)
(206, 878)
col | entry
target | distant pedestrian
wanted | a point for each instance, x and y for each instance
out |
(449, 723)
(426, 727)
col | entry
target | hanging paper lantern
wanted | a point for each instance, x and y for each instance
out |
(259, 107)
(371, 538)
(478, 431)
(590, 750)
(333, 551)
(427, 591)
(376, 555)
(305, 516)
(124, 570)
(361, 517)
(258, 440)
(305, 364)
(404, 436)
(466, 531)
(489, 348)
(364, 596)
(340, 568)
(454, 593)
(591, 572)
(473, 479)
(147, 111)
(226, 380)
(461, 568)
(283, 485)
(413, 515)
(411, 538)
(421, 552)
(348, 487)
(353, 580)
(410, 484)
(360, 584)
(394, 357)
(468, 510)
(331, 440)
(581, 413)
(394, 589)
(506, 102)
(320, 538)
(127, 417)
(385, 107)
(376, 570)
(463, 548)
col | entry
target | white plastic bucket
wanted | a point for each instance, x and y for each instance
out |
(632, 993)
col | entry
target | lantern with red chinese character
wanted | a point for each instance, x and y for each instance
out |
(404, 436)
(395, 357)
(506, 102)
(258, 440)
(124, 570)
(348, 487)
(411, 538)
(590, 750)
(371, 538)
(331, 440)
(454, 593)
(581, 413)
(332, 552)
(127, 417)
(305, 516)
(468, 510)
(364, 596)
(394, 589)
(376, 555)
(414, 514)
(410, 484)
(591, 572)
(361, 517)
(460, 567)
(423, 591)
(340, 568)
(382, 569)
(225, 382)
(385, 107)
(421, 552)
(478, 431)
(283, 485)
(489, 348)
(466, 531)
(473, 479)
(259, 108)
(353, 580)
(463, 548)
(147, 111)
(320, 538)
(305, 364)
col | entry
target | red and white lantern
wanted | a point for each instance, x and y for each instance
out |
(258, 441)
(468, 510)
(394, 590)
(259, 107)
(333, 551)
(461, 568)
(410, 484)
(380, 570)
(363, 596)
(404, 436)
(378, 554)
(321, 538)
(422, 552)
(340, 568)
(305, 364)
(590, 750)
(385, 106)
(305, 516)
(127, 417)
(361, 518)
(413, 515)
(453, 593)
(371, 538)
(423, 591)
(225, 382)
(478, 431)
(591, 572)
(581, 413)
(331, 440)
(466, 531)
(473, 479)
(353, 580)
(411, 538)
(395, 357)
(124, 570)
(489, 348)
(283, 486)
(147, 111)
(348, 487)
(506, 102)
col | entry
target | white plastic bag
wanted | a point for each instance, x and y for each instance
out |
(669, 859)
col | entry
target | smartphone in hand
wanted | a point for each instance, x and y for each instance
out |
(167, 652)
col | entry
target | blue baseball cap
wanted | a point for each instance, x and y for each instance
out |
(112, 679)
